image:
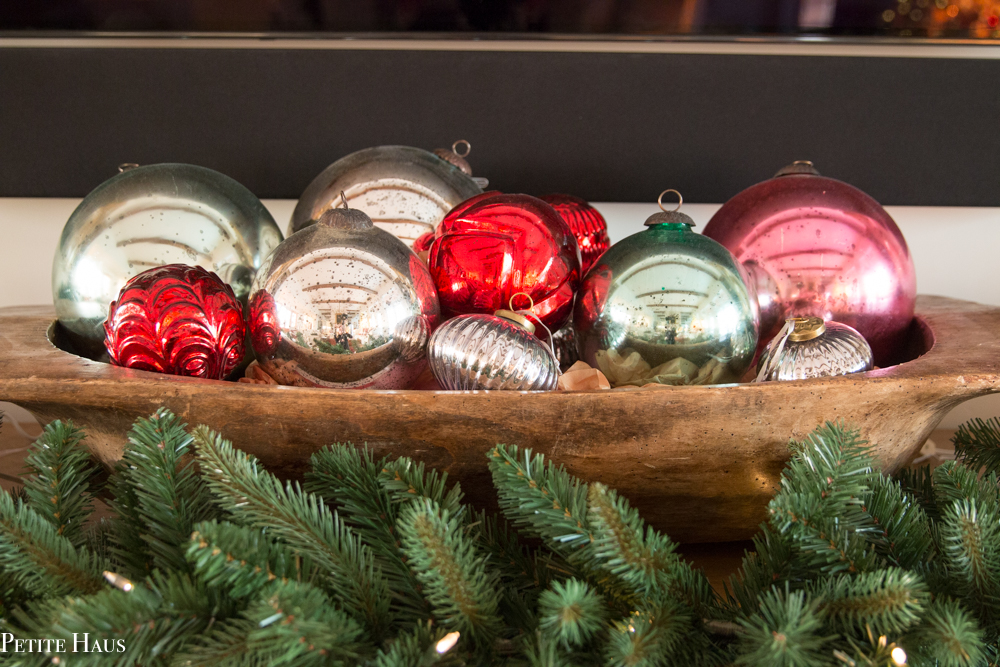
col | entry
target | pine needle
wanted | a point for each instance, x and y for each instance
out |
(300, 520)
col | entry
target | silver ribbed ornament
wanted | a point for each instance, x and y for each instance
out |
(808, 347)
(496, 351)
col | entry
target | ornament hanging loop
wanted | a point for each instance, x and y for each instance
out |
(680, 201)
(343, 200)
(527, 313)
(461, 142)
(125, 166)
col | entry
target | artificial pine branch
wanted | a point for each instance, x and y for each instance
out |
(955, 482)
(820, 503)
(170, 497)
(420, 647)
(919, 484)
(300, 520)
(357, 484)
(888, 601)
(969, 540)
(647, 638)
(38, 558)
(541, 498)
(58, 486)
(977, 443)
(768, 564)
(948, 636)
(452, 568)
(904, 536)
(571, 613)
(408, 480)
(785, 631)
(242, 560)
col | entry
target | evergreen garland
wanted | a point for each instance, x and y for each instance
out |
(210, 560)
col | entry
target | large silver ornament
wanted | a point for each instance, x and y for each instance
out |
(667, 306)
(151, 216)
(808, 347)
(406, 191)
(343, 304)
(496, 351)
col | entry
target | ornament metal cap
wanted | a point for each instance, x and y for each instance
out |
(452, 156)
(806, 328)
(665, 217)
(342, 217)
(798, 168)
(516, 318)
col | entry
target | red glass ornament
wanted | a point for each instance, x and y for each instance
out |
(815, 246)
(176, 319)
(492, 246)
(588, 225)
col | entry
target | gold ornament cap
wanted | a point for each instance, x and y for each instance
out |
(516, 318)
(806, 328)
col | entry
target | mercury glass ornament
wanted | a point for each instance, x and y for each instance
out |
(815, 246)
(496, 351)
(344, 304)
(152, 216)
(808, 347)
(667, 306)
(406, 191)
(588, 225)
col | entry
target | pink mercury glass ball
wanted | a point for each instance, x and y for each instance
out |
(816, 246)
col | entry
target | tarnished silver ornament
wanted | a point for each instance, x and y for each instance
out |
(808, 347)
(404, 190)
(343, 304)
(496, 351)
(667, 306)
(151, 216)
(564, 347)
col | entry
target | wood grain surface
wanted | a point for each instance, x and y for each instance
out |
(698, 462)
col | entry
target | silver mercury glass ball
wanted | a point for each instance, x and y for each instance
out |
(814, 348)
(667, 306)
(496, 351)
(406, 191)
(151, 216)
(343, 304)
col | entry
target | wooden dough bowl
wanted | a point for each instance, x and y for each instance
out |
(698, 462)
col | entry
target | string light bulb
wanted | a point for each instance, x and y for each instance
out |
(898, 656)
(447, 642)
(118, 581)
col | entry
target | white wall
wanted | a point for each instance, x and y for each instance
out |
(955, 251)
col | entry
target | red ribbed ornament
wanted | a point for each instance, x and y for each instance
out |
(176, 319)
(493, 246)
(588, 225)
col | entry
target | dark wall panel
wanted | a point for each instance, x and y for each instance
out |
(606, 126)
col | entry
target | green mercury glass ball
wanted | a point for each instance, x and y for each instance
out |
(668, 306)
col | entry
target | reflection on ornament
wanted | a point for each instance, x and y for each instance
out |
(344, 304)
(494, 246)
(404, 190)
(152, 216)
(176, 319)
(588, 225)
(669, 306)
(815, 246)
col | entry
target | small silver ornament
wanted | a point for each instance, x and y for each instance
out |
(808, 347)
(406, 191)
(496, 351)
(343, 304)
(151, 216)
